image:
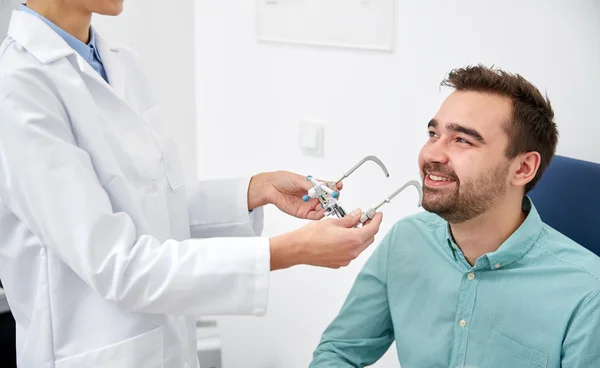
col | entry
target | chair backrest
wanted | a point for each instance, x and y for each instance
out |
(568, 199)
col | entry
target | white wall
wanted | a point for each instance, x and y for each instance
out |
(6, 9)
(251, 96)
(163, 34)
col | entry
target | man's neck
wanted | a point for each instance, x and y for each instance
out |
(488, 231)
(73, 21)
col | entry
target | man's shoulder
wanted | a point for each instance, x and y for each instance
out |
(573, 257)
(420, 221)
(421, 227)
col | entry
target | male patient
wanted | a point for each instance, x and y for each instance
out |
(478, 280)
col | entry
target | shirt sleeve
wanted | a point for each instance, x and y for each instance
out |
(50, 184)
(581, 345)
(362, 331)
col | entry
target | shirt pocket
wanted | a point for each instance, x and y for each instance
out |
(145, 350)
(173, 170)
(505, 352)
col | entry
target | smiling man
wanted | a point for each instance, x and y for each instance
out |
(478, 280)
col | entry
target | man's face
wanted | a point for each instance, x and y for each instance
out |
(463, 165)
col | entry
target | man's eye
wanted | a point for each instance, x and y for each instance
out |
(431, 134)
(462, 140)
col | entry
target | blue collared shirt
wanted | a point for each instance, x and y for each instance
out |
(533, 303)
(88, 52)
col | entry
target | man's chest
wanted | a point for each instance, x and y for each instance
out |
(476, 319)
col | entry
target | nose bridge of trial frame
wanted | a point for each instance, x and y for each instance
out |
(327, 195)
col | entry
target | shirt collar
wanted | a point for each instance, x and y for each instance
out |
(515, 247)
(92, 43)
(80, 47)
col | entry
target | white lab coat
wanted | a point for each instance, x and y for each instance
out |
(106, 255)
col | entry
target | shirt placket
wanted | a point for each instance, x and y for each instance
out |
(464, 310)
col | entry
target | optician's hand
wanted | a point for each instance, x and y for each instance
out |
(331, 243)
(285, 190)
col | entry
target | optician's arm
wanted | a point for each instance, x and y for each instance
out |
(362, 332)
(49, 183)
(220, 208)
(581, 346)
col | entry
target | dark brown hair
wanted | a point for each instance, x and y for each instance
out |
(532, 127)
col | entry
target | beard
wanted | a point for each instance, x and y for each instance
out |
(464, 201)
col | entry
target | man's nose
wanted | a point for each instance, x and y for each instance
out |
(436, 152)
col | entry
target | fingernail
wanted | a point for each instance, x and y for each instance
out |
(355, 213)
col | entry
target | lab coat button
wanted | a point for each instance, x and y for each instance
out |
(154, 187)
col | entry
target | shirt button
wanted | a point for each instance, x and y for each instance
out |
(462, 323)
(471, 276)
(154, 187)
(497, 265)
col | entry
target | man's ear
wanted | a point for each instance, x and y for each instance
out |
(525, 168)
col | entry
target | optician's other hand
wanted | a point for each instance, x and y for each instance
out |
(285, 190)
(331, 243)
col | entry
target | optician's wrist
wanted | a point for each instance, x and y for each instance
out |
(258, 189)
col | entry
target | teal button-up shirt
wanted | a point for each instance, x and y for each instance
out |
(533, 303)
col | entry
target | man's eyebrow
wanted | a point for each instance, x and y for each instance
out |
(454, 127)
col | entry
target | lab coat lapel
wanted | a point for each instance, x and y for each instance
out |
(115, 70)
(42, 42)
(37, 38)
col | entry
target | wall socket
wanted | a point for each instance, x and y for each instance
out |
(311, 138)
